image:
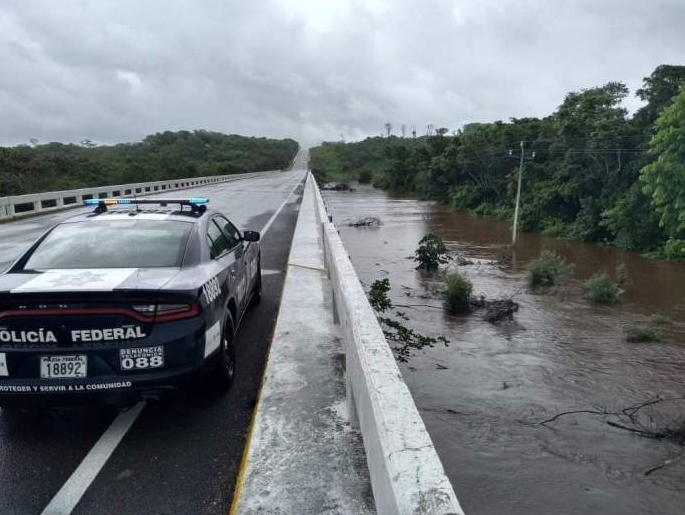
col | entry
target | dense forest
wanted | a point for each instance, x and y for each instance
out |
(592, 172)
(166, 155)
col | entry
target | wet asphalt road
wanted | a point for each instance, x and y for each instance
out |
(182, 454)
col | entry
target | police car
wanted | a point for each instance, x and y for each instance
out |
(136, 299)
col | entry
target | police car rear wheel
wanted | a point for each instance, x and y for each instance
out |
(225, 368)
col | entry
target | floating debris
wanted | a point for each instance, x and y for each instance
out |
(496, 310)
(499, 310)
(335, 186)
(367, 221)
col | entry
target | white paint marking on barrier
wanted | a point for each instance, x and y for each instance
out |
(70, 494)
(212, 339)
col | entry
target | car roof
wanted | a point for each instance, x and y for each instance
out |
(152, 213)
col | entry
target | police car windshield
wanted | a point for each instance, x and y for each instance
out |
(112, 244)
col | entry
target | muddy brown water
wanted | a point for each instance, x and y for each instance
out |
(483, 396)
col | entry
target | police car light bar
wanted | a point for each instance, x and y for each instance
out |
(195, 201)
(197, 204)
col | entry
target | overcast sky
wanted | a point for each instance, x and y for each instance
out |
(115, 71)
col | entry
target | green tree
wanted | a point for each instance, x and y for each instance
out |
(658, 89)
(664, 178)
(431, 252)
(583, 165)
(167, 155)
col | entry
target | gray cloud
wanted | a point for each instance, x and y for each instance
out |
(310, 69)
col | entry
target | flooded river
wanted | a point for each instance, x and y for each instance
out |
(483, 396)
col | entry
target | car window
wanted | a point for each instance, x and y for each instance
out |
(229, 230)
(112, 244)
(218, 244)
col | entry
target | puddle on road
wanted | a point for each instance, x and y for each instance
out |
(482, 396)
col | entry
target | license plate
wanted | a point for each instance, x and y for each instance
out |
(3, 365)
(142, 358)
(63, 367)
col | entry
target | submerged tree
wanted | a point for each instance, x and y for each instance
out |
(431, 253)
(458, 291)
(394, 329)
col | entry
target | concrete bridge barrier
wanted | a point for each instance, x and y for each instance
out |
(406, 474)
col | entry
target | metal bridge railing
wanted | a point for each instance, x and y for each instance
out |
(34, 203)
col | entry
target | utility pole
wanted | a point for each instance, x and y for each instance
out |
(518, 197)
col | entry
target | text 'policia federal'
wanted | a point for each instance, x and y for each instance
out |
(129, 298)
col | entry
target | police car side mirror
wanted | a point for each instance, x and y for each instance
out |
(251, 236)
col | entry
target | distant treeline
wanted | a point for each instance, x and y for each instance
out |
(591, 171)
(161, 156)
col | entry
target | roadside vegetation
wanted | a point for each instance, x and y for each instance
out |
(652, 331)
(363, 161)
(592, 171)
(549, 269)
(644, 334)
(622, 277)
(658, 319)
(167, 155)
(601, 289)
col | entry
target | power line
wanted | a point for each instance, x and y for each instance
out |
(562, 139)
(504, 154)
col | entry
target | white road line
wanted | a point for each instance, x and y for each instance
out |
(70, 494)
(267, 225)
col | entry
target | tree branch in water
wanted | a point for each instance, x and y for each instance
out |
(628, 420)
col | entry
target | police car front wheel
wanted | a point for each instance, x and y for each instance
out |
(257, 292)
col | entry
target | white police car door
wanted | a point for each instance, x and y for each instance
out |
(238, 269)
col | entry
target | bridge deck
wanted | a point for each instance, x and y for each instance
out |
(181, 455)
